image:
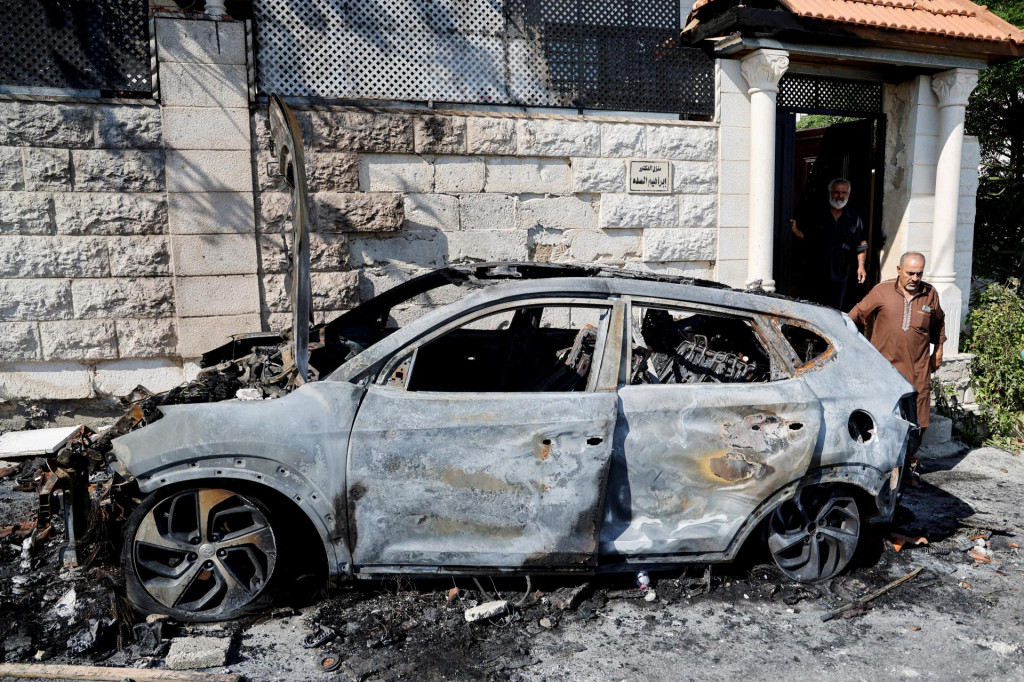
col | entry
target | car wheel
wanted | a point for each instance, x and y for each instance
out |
(813, 536)
(200, 554)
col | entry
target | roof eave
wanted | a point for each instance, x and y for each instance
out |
(751, 22)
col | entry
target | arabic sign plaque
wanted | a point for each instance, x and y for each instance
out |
(649, 176)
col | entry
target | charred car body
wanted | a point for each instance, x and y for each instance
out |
(552, 418)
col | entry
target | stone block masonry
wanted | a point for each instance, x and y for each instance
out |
(135, 237)
(415, 189)
(85, 260)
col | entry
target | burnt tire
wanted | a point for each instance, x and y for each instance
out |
(813, 536)
(201, 554)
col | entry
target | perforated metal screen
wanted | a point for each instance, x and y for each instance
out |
(830, 95)
(591, 54)
(76, 44)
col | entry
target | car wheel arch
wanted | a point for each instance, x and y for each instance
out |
(751, 529)
(296, 504)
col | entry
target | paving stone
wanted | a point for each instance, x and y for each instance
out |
(190, 653)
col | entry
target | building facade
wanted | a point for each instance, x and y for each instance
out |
(135, 234)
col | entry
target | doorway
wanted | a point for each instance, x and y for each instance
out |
(815, 145)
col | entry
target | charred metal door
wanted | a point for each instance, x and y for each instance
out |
(442, 479)
(693, 461)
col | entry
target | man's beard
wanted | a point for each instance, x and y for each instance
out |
(838, 203)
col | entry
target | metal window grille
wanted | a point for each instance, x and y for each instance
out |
(817, 94)
(586, 54)
(94, 45)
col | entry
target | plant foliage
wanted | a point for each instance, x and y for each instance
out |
(996, 116)
(996, 338)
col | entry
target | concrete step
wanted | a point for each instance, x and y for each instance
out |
(941, 450)
(940, 431)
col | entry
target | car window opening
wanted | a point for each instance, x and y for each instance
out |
(683, 347)
(807, 345)
(533, 349)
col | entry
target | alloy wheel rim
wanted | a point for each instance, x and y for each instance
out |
(814, 536)
(206, 551)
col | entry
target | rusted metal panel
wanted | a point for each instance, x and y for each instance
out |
(479, 479)
(692, 462)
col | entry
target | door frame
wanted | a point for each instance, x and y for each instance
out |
(785, 156)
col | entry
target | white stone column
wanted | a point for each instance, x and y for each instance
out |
(952, 88)
(216, 8)
(762, 69)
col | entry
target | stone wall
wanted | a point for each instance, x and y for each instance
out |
(86, 299)
(395, 192)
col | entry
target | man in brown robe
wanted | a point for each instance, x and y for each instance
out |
(908, 320)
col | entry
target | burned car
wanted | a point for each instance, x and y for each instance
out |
(552, 418)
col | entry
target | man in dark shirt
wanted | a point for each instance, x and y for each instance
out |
(908, 321)
(839, 233)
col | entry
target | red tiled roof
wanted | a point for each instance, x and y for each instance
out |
(952, 18)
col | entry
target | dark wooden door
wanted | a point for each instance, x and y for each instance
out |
(815, 157)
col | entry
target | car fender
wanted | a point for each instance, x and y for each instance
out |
(296, 445)
(225, 472)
